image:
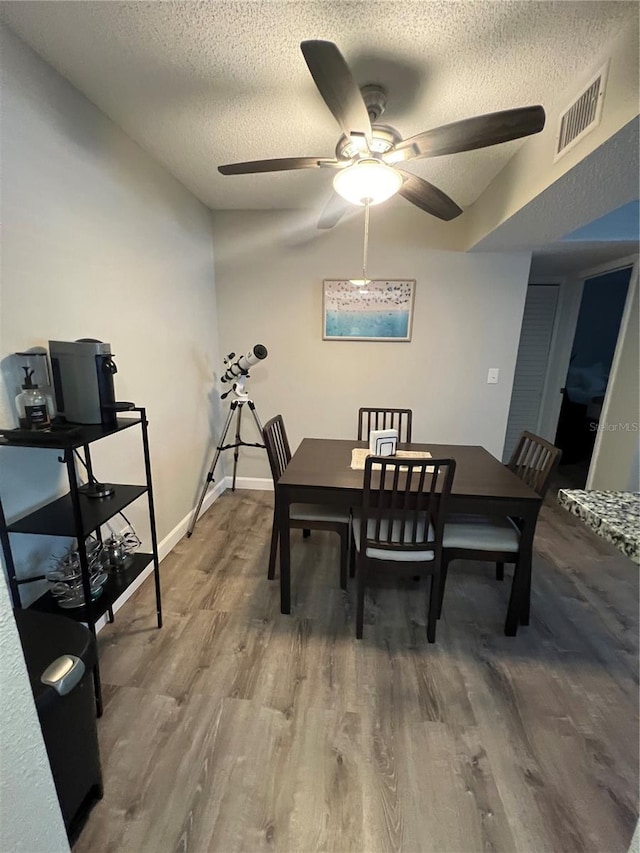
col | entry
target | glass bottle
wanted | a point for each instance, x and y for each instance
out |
(31, 404)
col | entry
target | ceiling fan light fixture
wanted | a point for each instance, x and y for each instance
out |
(367, 181)
(367, 153)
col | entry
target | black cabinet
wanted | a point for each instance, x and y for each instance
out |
(60, 655)
(77, 515)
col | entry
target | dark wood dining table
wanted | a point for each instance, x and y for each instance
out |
(320, 472)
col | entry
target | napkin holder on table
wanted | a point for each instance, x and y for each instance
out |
(383, 442)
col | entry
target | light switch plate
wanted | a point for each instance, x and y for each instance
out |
(492, 376)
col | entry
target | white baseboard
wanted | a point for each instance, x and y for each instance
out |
(260, 484)
(174, 536)
(169, 543)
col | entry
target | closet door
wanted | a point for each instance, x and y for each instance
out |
(531, 364)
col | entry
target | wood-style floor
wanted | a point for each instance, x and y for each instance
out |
(235, 728)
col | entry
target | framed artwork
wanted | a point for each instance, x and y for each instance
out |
(381, 310)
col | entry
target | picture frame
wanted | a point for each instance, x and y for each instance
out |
(381, 310)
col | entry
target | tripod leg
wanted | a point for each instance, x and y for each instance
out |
(252, 407)
(209, 479)
(236, 450)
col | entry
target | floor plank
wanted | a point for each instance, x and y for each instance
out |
(235, 728)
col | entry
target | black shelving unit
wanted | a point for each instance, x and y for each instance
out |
(76, 515)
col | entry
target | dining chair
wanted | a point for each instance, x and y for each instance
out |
(497, 539)
(302, 516)
(400, 524)
(370, 419)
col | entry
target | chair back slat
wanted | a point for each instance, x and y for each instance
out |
(371, 418)
(404, 503)
(534, 461)
(277, 445)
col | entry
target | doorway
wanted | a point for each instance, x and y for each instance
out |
(594, 343)
(531, 363)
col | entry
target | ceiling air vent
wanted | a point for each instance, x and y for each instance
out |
(583, 115)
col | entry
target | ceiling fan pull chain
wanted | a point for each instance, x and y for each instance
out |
(366, 242)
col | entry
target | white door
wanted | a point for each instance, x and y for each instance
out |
(531, 364)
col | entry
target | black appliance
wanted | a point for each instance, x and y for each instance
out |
(60, 655)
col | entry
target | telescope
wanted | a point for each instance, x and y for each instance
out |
(242, 365)
(238, 373)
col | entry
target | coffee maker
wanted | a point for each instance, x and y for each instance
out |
(83, 381)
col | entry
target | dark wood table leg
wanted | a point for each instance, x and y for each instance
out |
(513, 610)
(525, 606)
(527, 544)
(282, 520)
(519, 600)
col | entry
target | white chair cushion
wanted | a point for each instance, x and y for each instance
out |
(396, 556)
(481, 533)
(317, 512)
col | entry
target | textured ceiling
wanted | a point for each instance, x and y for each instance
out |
(547, 225)
(198, 84)
(605, 180)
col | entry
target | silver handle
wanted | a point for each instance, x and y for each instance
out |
(63, 674)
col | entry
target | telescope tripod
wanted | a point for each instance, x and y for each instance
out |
(236, 406)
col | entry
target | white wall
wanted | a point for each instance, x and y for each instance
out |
(468, 312)
(616, 457)
(100, 241)
(30, 818)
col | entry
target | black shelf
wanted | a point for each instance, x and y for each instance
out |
(78, 436)
(117, 584)
(76, 516)
(56, 518)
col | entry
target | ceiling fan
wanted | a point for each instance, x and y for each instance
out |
(368, 154)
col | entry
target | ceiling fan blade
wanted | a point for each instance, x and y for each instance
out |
(281, 165)
(337, 86)
(471, 133)
(333, 211)
(427, 197)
